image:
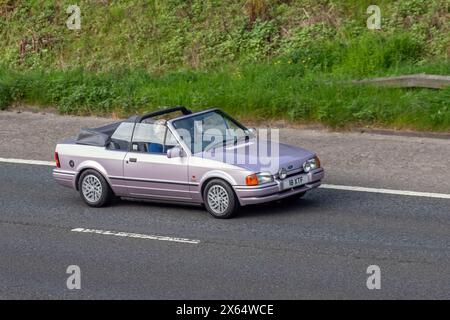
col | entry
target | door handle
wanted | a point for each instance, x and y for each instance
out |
(132, 160)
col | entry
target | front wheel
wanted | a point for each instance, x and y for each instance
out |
(220, 200)
(94, 190)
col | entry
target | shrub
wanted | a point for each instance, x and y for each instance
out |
(377, 52)
(5, 96)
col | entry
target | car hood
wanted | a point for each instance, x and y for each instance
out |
(252, 155)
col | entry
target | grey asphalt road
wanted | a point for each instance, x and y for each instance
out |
(316, 247)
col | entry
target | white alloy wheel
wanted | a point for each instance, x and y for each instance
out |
(218, 199)
(91, 188)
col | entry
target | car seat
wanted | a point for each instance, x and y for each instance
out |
(155, 148)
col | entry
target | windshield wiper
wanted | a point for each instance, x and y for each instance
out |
(223, 142)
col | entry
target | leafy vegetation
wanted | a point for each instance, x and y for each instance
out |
(290, 59)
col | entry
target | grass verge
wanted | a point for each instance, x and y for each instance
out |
(263, 91)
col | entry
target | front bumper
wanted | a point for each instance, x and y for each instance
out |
(64, 178)
(273, 191)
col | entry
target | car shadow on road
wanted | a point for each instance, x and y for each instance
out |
(282, 207)
(311, 204)
(144, 203)
(286, 207)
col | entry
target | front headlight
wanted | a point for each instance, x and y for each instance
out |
(311, 164)
(258, 178)
(264, 177)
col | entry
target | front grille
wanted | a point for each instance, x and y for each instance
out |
(294, 172)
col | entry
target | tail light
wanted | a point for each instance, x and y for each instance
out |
(58, 164)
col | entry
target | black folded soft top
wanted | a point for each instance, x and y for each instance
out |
(101, 136)
(97, 136)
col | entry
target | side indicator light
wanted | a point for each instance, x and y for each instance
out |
(251, 180)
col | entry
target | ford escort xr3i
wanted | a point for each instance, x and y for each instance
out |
(174, 155)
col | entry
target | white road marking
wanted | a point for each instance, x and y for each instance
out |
(23, 161)
(135, 235)
(387, 191)
(324, 186)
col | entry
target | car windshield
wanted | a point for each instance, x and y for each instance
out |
(207, 130)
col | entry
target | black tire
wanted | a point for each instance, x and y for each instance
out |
(220, 186)
(99, 200)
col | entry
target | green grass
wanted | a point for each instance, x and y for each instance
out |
(259, 59)
(263, 91)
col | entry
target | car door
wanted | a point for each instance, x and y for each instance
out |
(113, 156)
(147, 169)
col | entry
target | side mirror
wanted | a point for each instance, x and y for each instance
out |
(175, 152)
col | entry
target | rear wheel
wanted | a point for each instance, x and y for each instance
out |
(94, 190)
(220, 200)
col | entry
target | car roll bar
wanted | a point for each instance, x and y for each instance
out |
(183, 110)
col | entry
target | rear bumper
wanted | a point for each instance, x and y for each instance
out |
(273, 191)
(64, 178)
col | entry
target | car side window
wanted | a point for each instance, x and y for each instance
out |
(121, 138)
(170, 140)
(152, 138)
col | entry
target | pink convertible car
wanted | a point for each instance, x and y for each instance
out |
(174, 155)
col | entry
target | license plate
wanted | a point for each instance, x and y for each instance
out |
(295, 181)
